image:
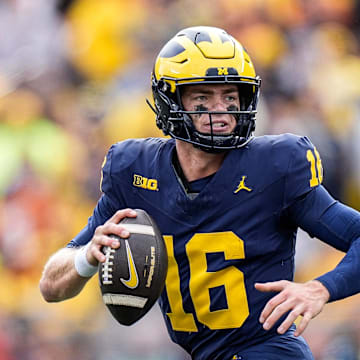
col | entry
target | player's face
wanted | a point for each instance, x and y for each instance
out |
(214, 97)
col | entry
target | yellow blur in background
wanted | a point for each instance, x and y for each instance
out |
(74, 76)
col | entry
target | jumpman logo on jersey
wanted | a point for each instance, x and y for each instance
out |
(242, 186)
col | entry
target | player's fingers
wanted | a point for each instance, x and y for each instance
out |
(303, 324)
(121, 214)
(97, 243)
(271, 305)
(98, 255)
(112, 228)
(272, 286)
(292, 316)
(276, 314)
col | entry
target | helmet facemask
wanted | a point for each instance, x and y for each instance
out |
(177, 122)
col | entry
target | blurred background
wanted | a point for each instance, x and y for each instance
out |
(74, 75)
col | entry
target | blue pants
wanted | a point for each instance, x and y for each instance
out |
(282, 347)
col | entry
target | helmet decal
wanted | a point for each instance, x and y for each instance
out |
(171, 49)
(221, 71)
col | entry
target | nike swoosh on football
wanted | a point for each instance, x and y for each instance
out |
(133, 280)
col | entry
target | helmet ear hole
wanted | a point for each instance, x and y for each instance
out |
(167, 110)
(163, 86)
(162, 107)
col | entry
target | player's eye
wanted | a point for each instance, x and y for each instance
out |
(231, 98)
(201, 98)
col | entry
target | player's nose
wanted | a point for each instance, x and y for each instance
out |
(218, 104)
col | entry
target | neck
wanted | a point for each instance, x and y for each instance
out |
(196, 163)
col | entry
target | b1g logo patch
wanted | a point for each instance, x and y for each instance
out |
(145, 183)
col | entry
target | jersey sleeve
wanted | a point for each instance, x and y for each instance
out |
(339, 226)
(109, 202)
(304, 171)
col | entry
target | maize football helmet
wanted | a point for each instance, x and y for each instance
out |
(204, 55)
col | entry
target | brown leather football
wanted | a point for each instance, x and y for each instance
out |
(133, 276)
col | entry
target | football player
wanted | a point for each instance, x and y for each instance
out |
(228, 205)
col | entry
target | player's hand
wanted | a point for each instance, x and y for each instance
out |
(101, 238)
(307, 300)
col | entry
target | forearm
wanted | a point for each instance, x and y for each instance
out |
(68, 270)
(339, 226)
(60, 280)
(343, 281)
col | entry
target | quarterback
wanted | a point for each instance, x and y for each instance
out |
(228, 205)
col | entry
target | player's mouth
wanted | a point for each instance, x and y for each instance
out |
(217, 126)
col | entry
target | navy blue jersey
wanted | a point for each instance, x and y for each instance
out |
(233, 234)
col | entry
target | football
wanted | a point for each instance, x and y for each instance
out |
(133, 275)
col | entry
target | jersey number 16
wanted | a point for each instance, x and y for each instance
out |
(201, 281)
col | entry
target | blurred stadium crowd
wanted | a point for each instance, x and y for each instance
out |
(74, 75)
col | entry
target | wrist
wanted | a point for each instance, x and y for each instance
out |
(82, 265)
(322, 290)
